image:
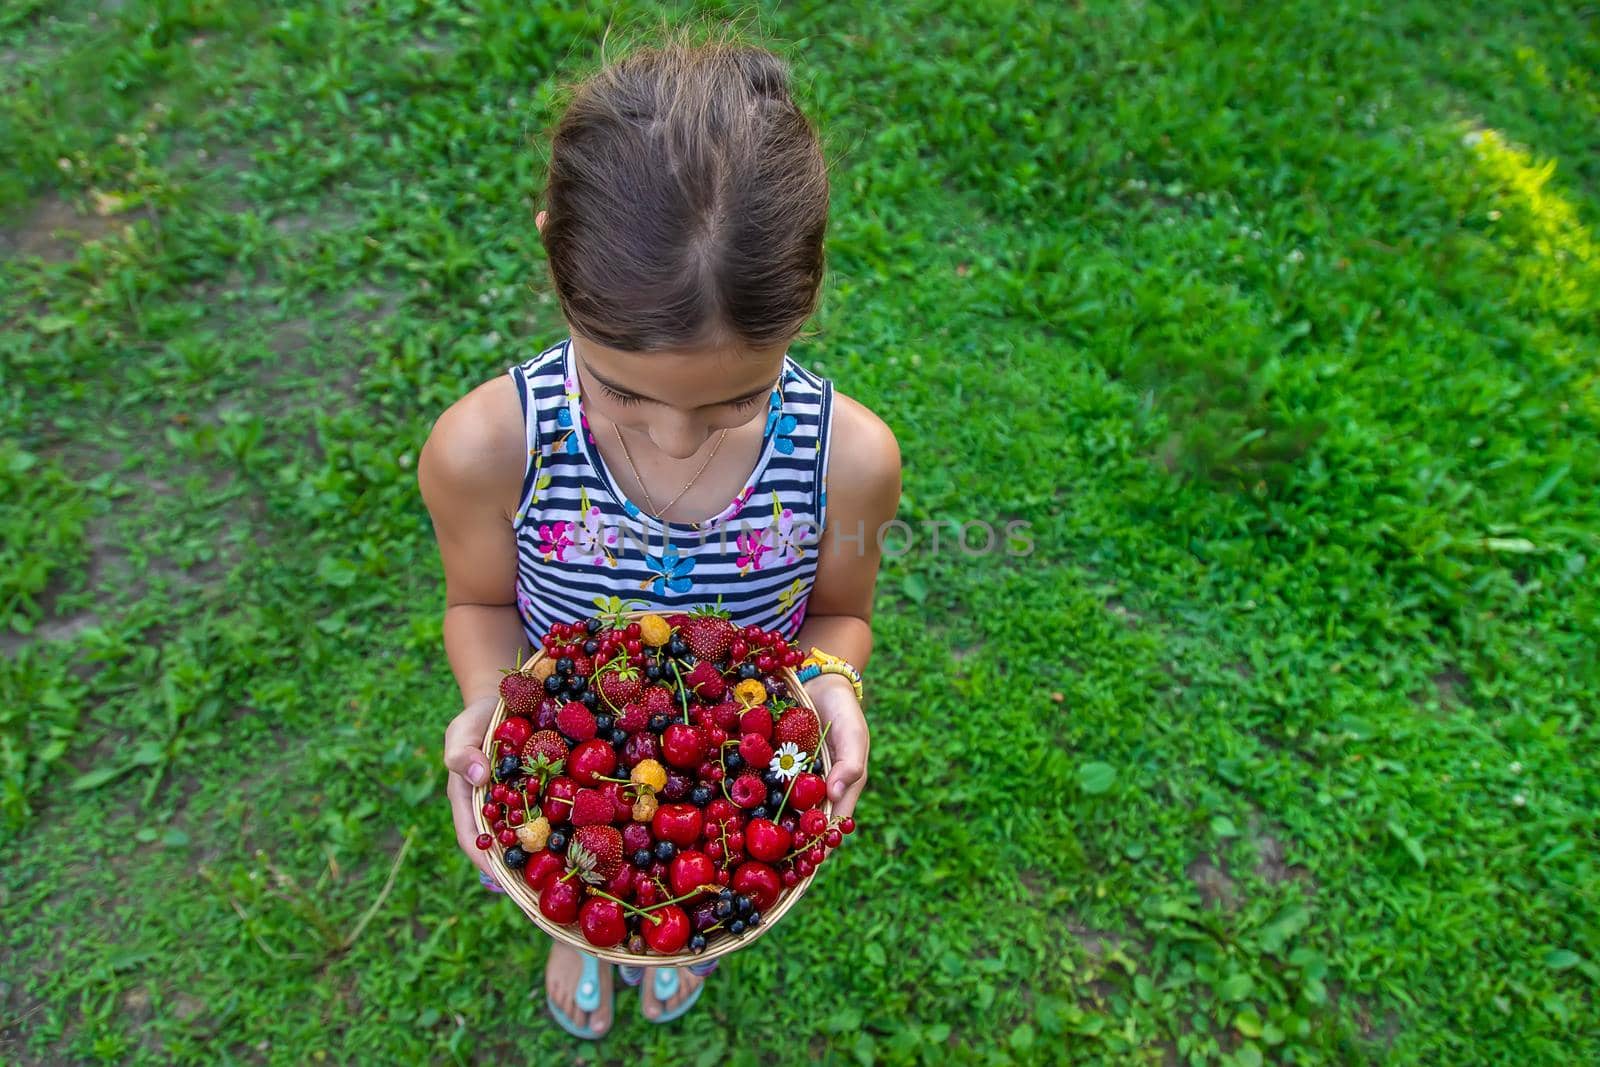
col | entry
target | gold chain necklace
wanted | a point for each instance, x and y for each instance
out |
(657, 513)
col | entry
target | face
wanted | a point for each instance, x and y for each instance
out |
(680, 399)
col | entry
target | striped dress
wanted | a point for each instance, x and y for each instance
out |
(581, 542)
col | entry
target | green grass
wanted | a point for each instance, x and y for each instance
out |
(1276, 323)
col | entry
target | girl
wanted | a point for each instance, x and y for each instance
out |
(669, 451)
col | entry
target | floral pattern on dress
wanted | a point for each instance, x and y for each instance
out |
(594, 539)
(554, 539)
(671, 571)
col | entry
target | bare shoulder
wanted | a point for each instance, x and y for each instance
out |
(477, 448)
(865, 457)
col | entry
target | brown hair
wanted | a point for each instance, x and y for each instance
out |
(687, 199)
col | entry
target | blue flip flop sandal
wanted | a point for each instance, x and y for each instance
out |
(587, 998)
(664, 984)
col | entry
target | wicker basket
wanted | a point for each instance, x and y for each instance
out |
(528, 900)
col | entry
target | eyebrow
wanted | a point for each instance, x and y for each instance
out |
(625, 391)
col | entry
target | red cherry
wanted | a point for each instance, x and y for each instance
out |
(682, 745)
(508, 837)
(759, 882)
(557, 806)
(591, 760)
(484, 842)
(809, 790)
(558, 901)
(678, 823)
(766, 840)
(847, 824)
(514, 731)
(667, 929)
(644, 890)
(690, 870)
(542, 868)
(832, 838)
(601, 922)
(621, 884)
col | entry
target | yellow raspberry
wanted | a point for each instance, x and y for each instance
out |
(750, 692)
(649, 773)
(654, 630)
(542, 668)
(644, 809)
(534, 835)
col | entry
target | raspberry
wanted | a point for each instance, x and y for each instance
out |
(654, 630)
(535, 835)
(591, 807)
(576, 721)
(755, 749)
(649, 773)
(748, 791)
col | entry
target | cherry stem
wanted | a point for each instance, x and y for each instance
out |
(779, 813)
(626, 906)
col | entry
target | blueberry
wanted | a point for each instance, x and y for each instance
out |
(753, 919)
(557, 842)
(772, 779)
(659, 723)
(618, 736)
(748, 671)
(743, 905)
(590, 699)
(642, 858)
(554, 684)
(507, 767)
(736, 927)
(515, 857)
(760, 813)
(591, 646)
(732, 762)
(665, 850)
(724, 908)
(676, 647)
(724, 893)
(697, 943)
(577, 684)
(700, 796)
(602, 723)
(564, 665)
(592, 626)
(652, 673)
(775, 799)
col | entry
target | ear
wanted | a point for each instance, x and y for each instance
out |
(538, 220)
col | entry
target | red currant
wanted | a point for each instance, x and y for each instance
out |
(847, 824)
(632, 631)
(508, 837)
(716, 772)
(790, 878)
(833, 837)
(714, 850)
(816, 854)
(484, 842)
(765, 663)
(738, 650)
(491, 810)
(803, 867)
(514, 817)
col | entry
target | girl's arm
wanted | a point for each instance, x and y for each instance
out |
(470, 473)
(863, 495)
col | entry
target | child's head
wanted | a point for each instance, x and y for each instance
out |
(687, 202)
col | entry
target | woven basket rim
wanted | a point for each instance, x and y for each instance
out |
(527, 899)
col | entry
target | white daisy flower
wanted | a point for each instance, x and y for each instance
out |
(788, 760)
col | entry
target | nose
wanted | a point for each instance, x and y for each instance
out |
(678, 435)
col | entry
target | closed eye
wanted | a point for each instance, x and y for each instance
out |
(631, 399)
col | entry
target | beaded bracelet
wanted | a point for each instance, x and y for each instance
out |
(819, 663)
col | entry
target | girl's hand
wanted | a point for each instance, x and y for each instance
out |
(468, 767)
(847, 742)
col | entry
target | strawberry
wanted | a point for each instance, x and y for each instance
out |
(756, 750)
(576, 721)
(634, 717)
(544, 755)
(705, 681)
(709, 634)
(590, 807)
(797, 725)
(595, 852)
(521, 692)
(618, 685)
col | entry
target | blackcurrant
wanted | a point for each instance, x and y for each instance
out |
(602, 723)
(743, 905)
(753, 919)
(507, 767)
(697, 943)
(736, 927)
(733, 762)
(652, 673)
(592, 627)
(676, 647)
(557, 842)
(515, 857)
(591, 646)
(760, 813)
(747, 671)
(564, 665)
(590, 699)
(665, 851)
(775, 799)
(642, 858)
(554, 684)
(659, 723)
(577, 684)
(724, 908)
(724, 893)
(617, 736)
(772, 779)
(700, 796)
